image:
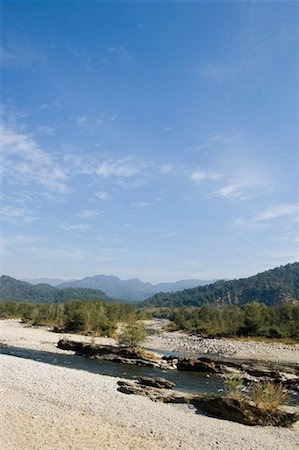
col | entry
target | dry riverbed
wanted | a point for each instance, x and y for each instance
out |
(50, 407)
(229, 348)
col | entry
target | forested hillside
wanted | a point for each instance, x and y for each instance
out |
(270, 287)
(12, 289)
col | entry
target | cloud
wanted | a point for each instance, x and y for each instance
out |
(74, 227)
(24, 162)
(19, 53)
(166, 168)
(233, 191)
(87, 213)
(140, 204)
(274, 212)
(218, 139)
(200, 175)
(101, 195)
(82, 120)
(121, 53)
(118, 168)
(17, 215)
(47, 130)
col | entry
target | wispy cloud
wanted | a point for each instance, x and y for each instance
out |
(166, 168)
(87, 213)
(74, 227)
(218, 140)
(199, 175)
(120, 53)
(274, 212)
(23, 161)
(102, 195)
(234, 190)
(49, 131)
(82, 120)
(269, 216)
(18, 52)
(123, 168)
(140, 204)
(249, 56)
(17, 215)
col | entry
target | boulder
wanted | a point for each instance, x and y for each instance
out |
(244, 411)
(126, 355)
(154, 394)
(157, 382)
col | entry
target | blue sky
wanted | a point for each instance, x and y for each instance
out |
(156, 140)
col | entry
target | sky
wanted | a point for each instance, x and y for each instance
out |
(151, 140)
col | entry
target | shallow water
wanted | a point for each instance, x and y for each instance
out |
(190, 382)
(185, 381)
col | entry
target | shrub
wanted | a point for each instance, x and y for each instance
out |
(133, 334)
(268, 395)
(234, 385)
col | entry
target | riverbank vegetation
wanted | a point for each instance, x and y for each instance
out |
(86, 317)
(102, 318)
(251, 320)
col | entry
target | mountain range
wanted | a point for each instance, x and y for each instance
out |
(12, 289)
(100, 287)
(131, 290)
(270, 287)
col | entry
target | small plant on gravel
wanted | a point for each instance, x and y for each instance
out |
(234, 386)
(268, 395)
(132, 335)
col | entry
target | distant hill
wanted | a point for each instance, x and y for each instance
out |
(50, 281)
(131, 290)
(270, 287)
(12, 289)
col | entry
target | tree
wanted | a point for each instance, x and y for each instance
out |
(133, 334)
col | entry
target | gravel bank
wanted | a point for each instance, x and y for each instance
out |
(50, 407)
(14, 333)
(229, 348)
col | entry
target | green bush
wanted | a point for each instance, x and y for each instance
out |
(132, 335)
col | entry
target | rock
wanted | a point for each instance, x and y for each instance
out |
(154, 394)
(244, 411)
(157, 382)
(126, 355)
(204, 365)
(237, 410)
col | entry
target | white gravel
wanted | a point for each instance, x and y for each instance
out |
(241, 349)
(50, 407)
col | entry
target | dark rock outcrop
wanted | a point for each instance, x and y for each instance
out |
(126, 355)
(237, 410)
(157, 382)
(153, 393)
(249, 371)
(244, 411)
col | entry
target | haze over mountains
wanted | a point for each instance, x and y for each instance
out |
(51, 281)
(98, 287)
(270, 287)
(133, 289)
